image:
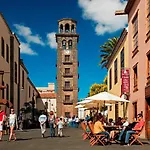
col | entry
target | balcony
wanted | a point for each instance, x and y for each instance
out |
(68, 74)
(67, 62)
(67, 88)
(67, 102)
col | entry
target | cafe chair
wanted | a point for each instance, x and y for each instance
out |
(96, 138)
(86, 135)
(135, 137)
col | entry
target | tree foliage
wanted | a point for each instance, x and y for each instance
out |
(106, 51)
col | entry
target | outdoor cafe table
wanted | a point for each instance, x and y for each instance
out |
(110, 128)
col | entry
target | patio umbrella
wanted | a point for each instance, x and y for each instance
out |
(105, 97)
(79, 106)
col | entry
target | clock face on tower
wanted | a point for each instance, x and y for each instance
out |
(67, 51)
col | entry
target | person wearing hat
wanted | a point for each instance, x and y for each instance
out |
(137, 128)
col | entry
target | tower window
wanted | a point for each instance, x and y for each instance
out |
(70, 44)
(61, 28)
(3, 90)
(64, 44)
(67, 70)
(72, 28)
(67, 58)
(67, 97)
(67, 84)
(67, 27)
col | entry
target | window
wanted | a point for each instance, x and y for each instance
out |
(29, 92)
(72, 28)
(3, 90)
(122, 58)
(7, 53)
(23, 79)
(135, 110)
(70, 44)
(135, 77)
(61, 28)
(7, 91)
(135, 32)
(115, 72)
(67, 114)
(148, 65)
(67, 70)
(148, 16)
(2, 47)
(64, 44)
(15, 72)
(110, 108)
(67, 58)
(67, 84)
(67, 97)
(110, 79)
(67, 28)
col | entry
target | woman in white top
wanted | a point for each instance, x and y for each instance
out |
(12, 124)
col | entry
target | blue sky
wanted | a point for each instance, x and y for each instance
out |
(35, 23)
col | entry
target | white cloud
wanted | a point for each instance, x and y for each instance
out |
(102, 12)
(52, 40)
(26, 49)
(28, 35)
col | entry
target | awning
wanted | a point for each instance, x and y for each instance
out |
(6, 102)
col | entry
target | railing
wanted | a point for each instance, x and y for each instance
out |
(68, 74)
(67, 88)
(67, 101)
(67, 62)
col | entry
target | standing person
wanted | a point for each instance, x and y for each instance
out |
(2, 118)
(60, 127)
(52, 124)
(42, 120)
(12, 123)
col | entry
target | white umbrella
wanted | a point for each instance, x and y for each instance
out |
(79, 106)
(106, 98)
(84, 102)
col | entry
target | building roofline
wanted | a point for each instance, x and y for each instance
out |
(23, 65)
(16, 38)
(129, 6)
(32, 85)
(6, 22)
(119, 42)
(67, 19)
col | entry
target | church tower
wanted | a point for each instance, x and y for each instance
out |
(67, 67)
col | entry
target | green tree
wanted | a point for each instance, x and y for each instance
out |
(106, 51)
(97, 88)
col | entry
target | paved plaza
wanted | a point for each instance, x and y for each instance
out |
(31, 140)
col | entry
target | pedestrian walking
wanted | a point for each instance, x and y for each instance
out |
(60, 127)
(12, 124)
(20, 120)
(42, 120)
(52, 124)
(2, 118)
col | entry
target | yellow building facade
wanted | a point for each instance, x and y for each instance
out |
(117, 61)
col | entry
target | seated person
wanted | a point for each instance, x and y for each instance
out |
(110, 123)
(99, 129)
(137, 128)
(125, 124)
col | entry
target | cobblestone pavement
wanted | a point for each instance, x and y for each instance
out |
(31, 140)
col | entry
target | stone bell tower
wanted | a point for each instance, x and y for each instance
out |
(67, 67)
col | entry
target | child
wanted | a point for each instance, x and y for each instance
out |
(60, 127)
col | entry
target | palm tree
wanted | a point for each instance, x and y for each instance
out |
(106, 51)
